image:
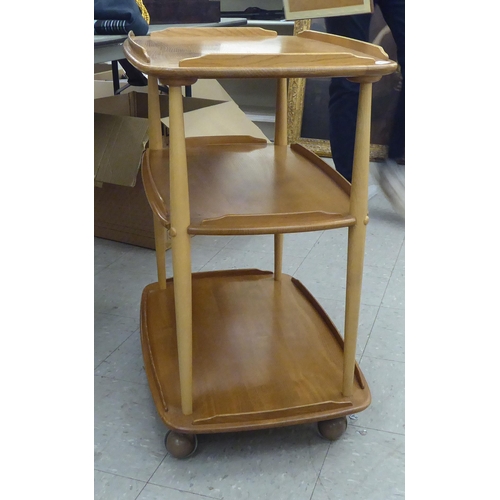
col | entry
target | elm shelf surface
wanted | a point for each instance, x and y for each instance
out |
(264, 354)
(251, 188)
(177, 53)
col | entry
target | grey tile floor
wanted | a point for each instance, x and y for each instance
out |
(367, 463)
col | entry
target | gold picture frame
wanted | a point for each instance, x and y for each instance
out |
(296, 94)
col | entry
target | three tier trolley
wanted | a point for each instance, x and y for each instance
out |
(249, 349)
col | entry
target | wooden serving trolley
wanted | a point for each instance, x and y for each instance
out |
(249, 349)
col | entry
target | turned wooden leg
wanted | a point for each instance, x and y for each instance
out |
(181, 246)
(280, 124)
(154, 117)
(280, 139)
(357, 233)
(160, 248)
(278, 256)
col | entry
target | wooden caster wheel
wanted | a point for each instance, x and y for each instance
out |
(332, 429)
(181, 445)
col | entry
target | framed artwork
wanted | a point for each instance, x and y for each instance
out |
(308, 9)
(308, 121)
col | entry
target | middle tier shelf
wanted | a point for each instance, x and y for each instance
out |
(244, 185)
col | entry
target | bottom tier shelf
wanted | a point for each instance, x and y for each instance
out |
(265, 354)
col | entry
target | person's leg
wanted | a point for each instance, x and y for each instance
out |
(391, 173)
(394, 15)
(344, 95)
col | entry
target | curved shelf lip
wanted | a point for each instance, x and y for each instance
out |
(155, 200)
(164, 74)
(264, 61)
(232, 418)
(271, 223)
(226, 140)
(366, 48)
(214, 32)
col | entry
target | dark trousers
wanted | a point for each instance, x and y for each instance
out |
(344, 94)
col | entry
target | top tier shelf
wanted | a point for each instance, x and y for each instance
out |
(177, 53)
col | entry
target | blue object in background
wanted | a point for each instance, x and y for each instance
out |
(118, 17)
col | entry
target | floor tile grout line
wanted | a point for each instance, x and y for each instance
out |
(116, 315)
(320, 470)
(118, 347)
(369, 335)
(310, 250)
(208, 247)
(307, 255)
(381, 302)
(100, 270)
(267, 252)
(156, 469)
(104, 267)
(200, 269)
(128, 381)
(319, 481)
(119, 475)
(385, 359)
(107, 266)
(140, 492)
(201, 495)
(126, 477)
(107, 377)
(298, 267)
(400, 248)
(377, 430)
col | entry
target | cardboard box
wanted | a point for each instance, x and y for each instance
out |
(123, 214)
(121, 209)
(103, 81)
